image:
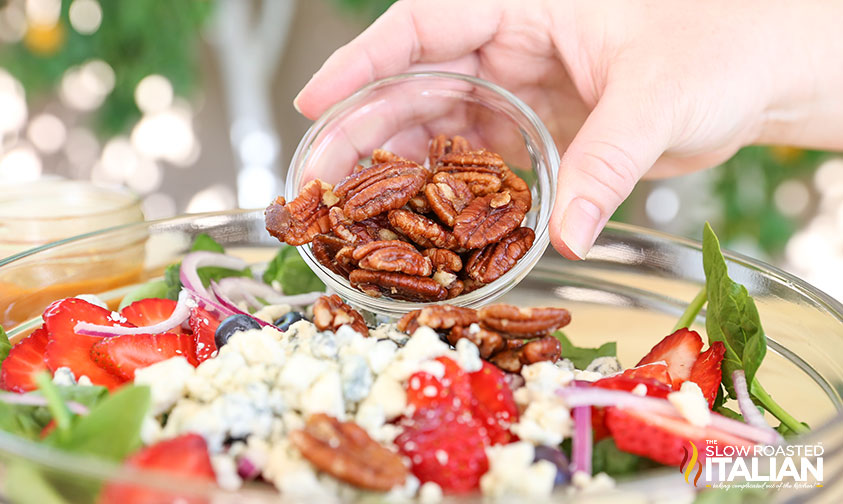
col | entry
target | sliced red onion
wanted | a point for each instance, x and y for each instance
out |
(231, 306)
(750, 413)
(594, 396)
(249, 289)
(189, 275)
(581, 456)
(34, 400)
(179, 315)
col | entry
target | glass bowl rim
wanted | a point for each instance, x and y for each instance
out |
(132, 199)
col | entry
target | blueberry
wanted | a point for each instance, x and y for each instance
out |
(231, 325)
(289, 319)
(558, 459)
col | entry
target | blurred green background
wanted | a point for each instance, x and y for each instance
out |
(188, 103)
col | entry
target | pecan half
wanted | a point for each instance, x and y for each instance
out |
(448, 196)
(392, 255)
(333, 253)
(384, 156)
(492, 261)
(519, 189)
(488, 342)
(344, 450)
(480, 184)
(397, 285)
(330, 313)
(419, 204)
(437, 317)
(544, 349)
(426, 232)
(480, 160)
(486, 220)
(379, 188)
(441, 145)
(523, 322)
(443, 259)
(298, 221)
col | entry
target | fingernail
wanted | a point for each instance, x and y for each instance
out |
(296, 102)
(579, 226)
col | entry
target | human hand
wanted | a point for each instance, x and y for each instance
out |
(627, 89)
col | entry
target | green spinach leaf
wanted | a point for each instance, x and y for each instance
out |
(5, 345)
(153, 289)
(607, 458)
(289, 269)
(582, 357)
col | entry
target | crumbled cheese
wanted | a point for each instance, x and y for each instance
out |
(640, 390)
(546, 418)
(271, 313)
(605, 366)
(512, 472)
(63, 377)
(589, 376)
(691, 403)
(468, 356)
(585, 483)
(325, 396)
(225, 470)
(167, 381)
(84, 381)
(389, 394)
(430, 493)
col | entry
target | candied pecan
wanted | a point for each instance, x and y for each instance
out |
(298, 221)
(384, 156)
(426, 232)
(333, 253)
(448, 196)
(471, 285)
(443, 259)
(481, 223)
(397, 285)
(392, 255)
(330, 313)
(345, 451)
(419, 204)
(488, 342)
(437, 317)
(519, 189)
(523, 322)
(480, 184)
(544, 349)
(515, 343)
(441, 145)
(492, 261)
(479, 160)
(379, 188)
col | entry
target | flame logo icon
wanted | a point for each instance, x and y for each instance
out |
(690, 466)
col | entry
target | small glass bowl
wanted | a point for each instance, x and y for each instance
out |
(401, 114)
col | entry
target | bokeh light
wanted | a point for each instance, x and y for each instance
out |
(85, 87)
(792, 198)
(158, 206)
(20, 164)
(154, 93)
(212, 199)
(12, 23)
(85, 16)
(47, 133)
(43, 12)
(166, 135)
(13, 110)
(662, 205)
(82, 147)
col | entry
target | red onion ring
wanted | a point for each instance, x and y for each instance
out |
(179, 315)
(750, 413)
(189, 275)
(249, 289)
(594, 396)
(231, 306)
(33, 400)
(581, 456)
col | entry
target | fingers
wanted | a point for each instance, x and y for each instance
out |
(619, 142)
(410, 32)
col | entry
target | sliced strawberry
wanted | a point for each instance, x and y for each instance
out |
(706, 371)
(66, 348)
(122, 355)
(204, 326)
(150, 311)
(426, 391)
(184, 457)
(655, 371)
(655, 388)
(662, 438)
(679, 351)
(24, 361)
(493, 406)
(445, 446)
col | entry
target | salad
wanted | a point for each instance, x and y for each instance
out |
(235, 376)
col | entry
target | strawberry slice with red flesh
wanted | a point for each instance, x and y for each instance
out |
(707, 372)
(445, 445)
(679, 351)
(204, 326)
(661, 438)
(149, 311)
(655, 371)
(122, 355)
(655, 388)
(66, 348)
(493, 406)
(425, 391)
(24, 361)
(183, 457)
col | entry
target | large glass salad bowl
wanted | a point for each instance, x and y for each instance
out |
(633, 287)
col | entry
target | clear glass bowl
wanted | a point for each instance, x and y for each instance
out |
(401, 114)
(631, 290)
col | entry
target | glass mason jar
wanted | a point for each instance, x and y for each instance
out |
(401, 114)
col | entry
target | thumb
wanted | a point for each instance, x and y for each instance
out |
(619, 141)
